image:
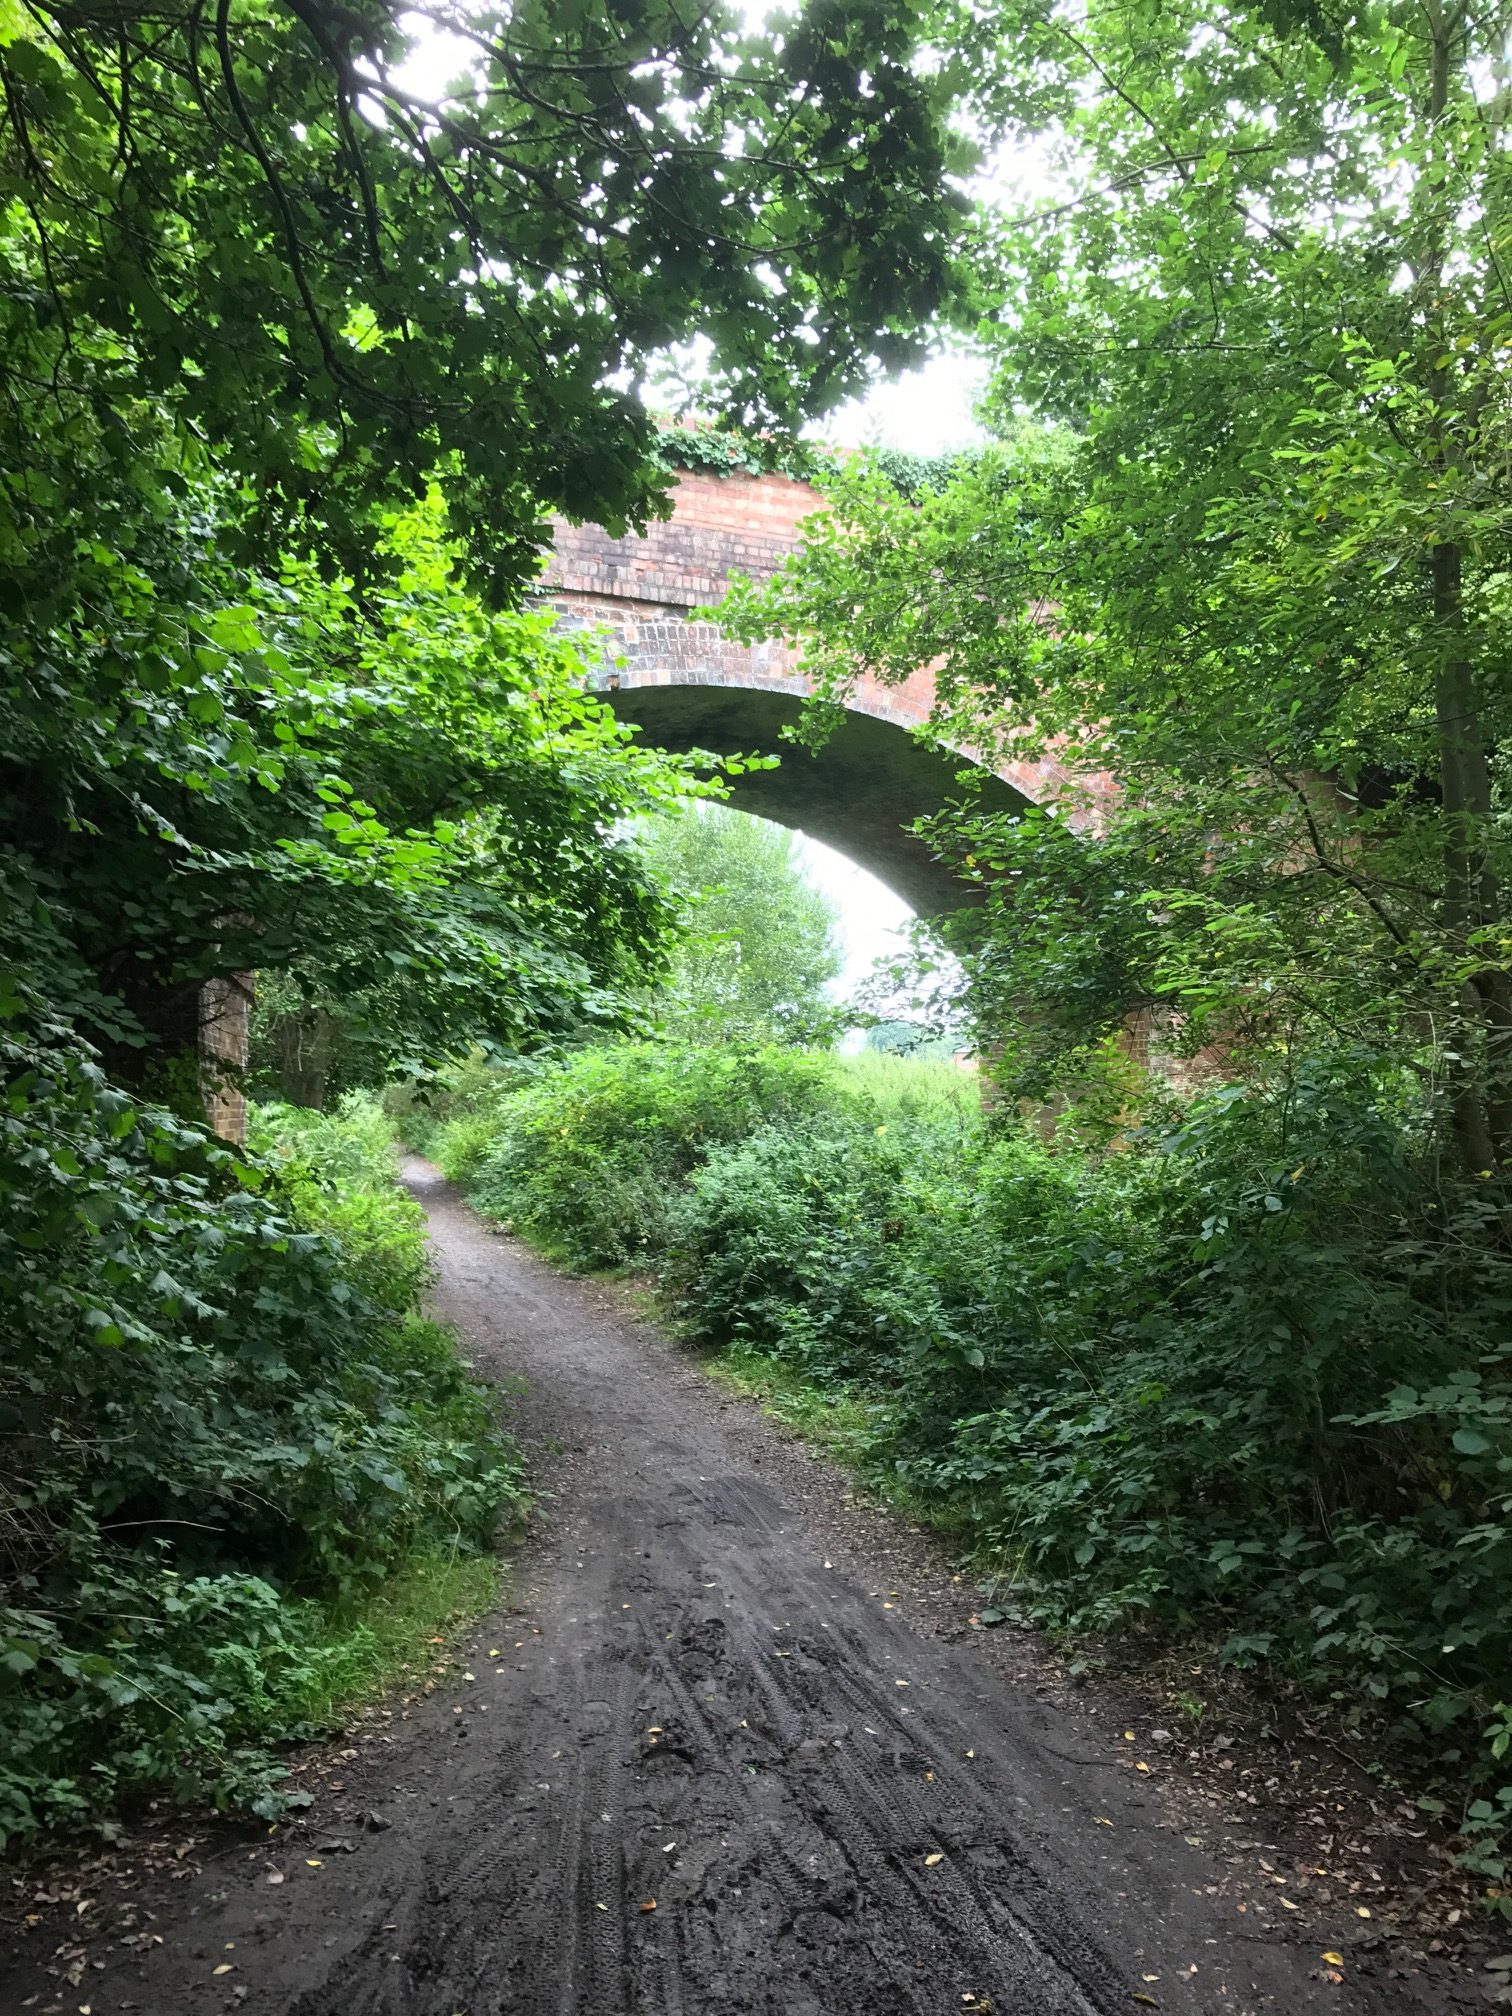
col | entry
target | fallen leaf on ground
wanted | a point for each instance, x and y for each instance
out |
(1141, 1767)
(1361, 1912)
(225, 1967)
(900, 1683)
(1334, 1959)
(312, 1863)
(930, 1860)
(649, 1905)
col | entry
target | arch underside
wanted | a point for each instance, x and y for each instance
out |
(858, 793)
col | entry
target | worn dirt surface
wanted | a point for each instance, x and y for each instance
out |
(720, 1756)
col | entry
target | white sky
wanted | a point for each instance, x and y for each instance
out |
(928, 411)
(872, 920)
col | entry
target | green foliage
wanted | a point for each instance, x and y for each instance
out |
(316, 794)
(338, 1174)
(916, 476)
(460, 1147)
(345, 285)
(759, 948)
(219, 1419)
(721, 451)
(701, 444)
(453, 1116)
(896, 1036)
(588, 1158)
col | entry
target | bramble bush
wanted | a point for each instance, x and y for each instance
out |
(223, 1426)
(589, 1157)
(1244, 1371)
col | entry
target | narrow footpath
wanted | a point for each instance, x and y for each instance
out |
(708, 1764)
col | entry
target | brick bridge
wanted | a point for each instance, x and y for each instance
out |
(691, 687)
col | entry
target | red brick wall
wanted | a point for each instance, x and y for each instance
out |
(720, 525)
(643, 589)
(225, 1008)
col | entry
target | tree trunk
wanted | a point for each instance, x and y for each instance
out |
(304, 1057)
(1480, 1048)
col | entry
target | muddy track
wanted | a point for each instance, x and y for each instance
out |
(833, 1810)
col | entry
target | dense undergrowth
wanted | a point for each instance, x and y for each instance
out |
(232, 1452)
(1243, 1371)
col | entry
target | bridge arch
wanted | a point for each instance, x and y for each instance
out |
(858, 794)
(689, 686)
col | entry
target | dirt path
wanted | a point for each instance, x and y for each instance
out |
(701, 1699)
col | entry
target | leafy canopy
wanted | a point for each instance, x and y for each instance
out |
(341, 285)
(1241, 545)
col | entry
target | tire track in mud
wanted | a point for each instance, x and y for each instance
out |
(881, 1868)
(691, 1709)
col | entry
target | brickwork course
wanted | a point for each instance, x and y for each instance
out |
(642, 589)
